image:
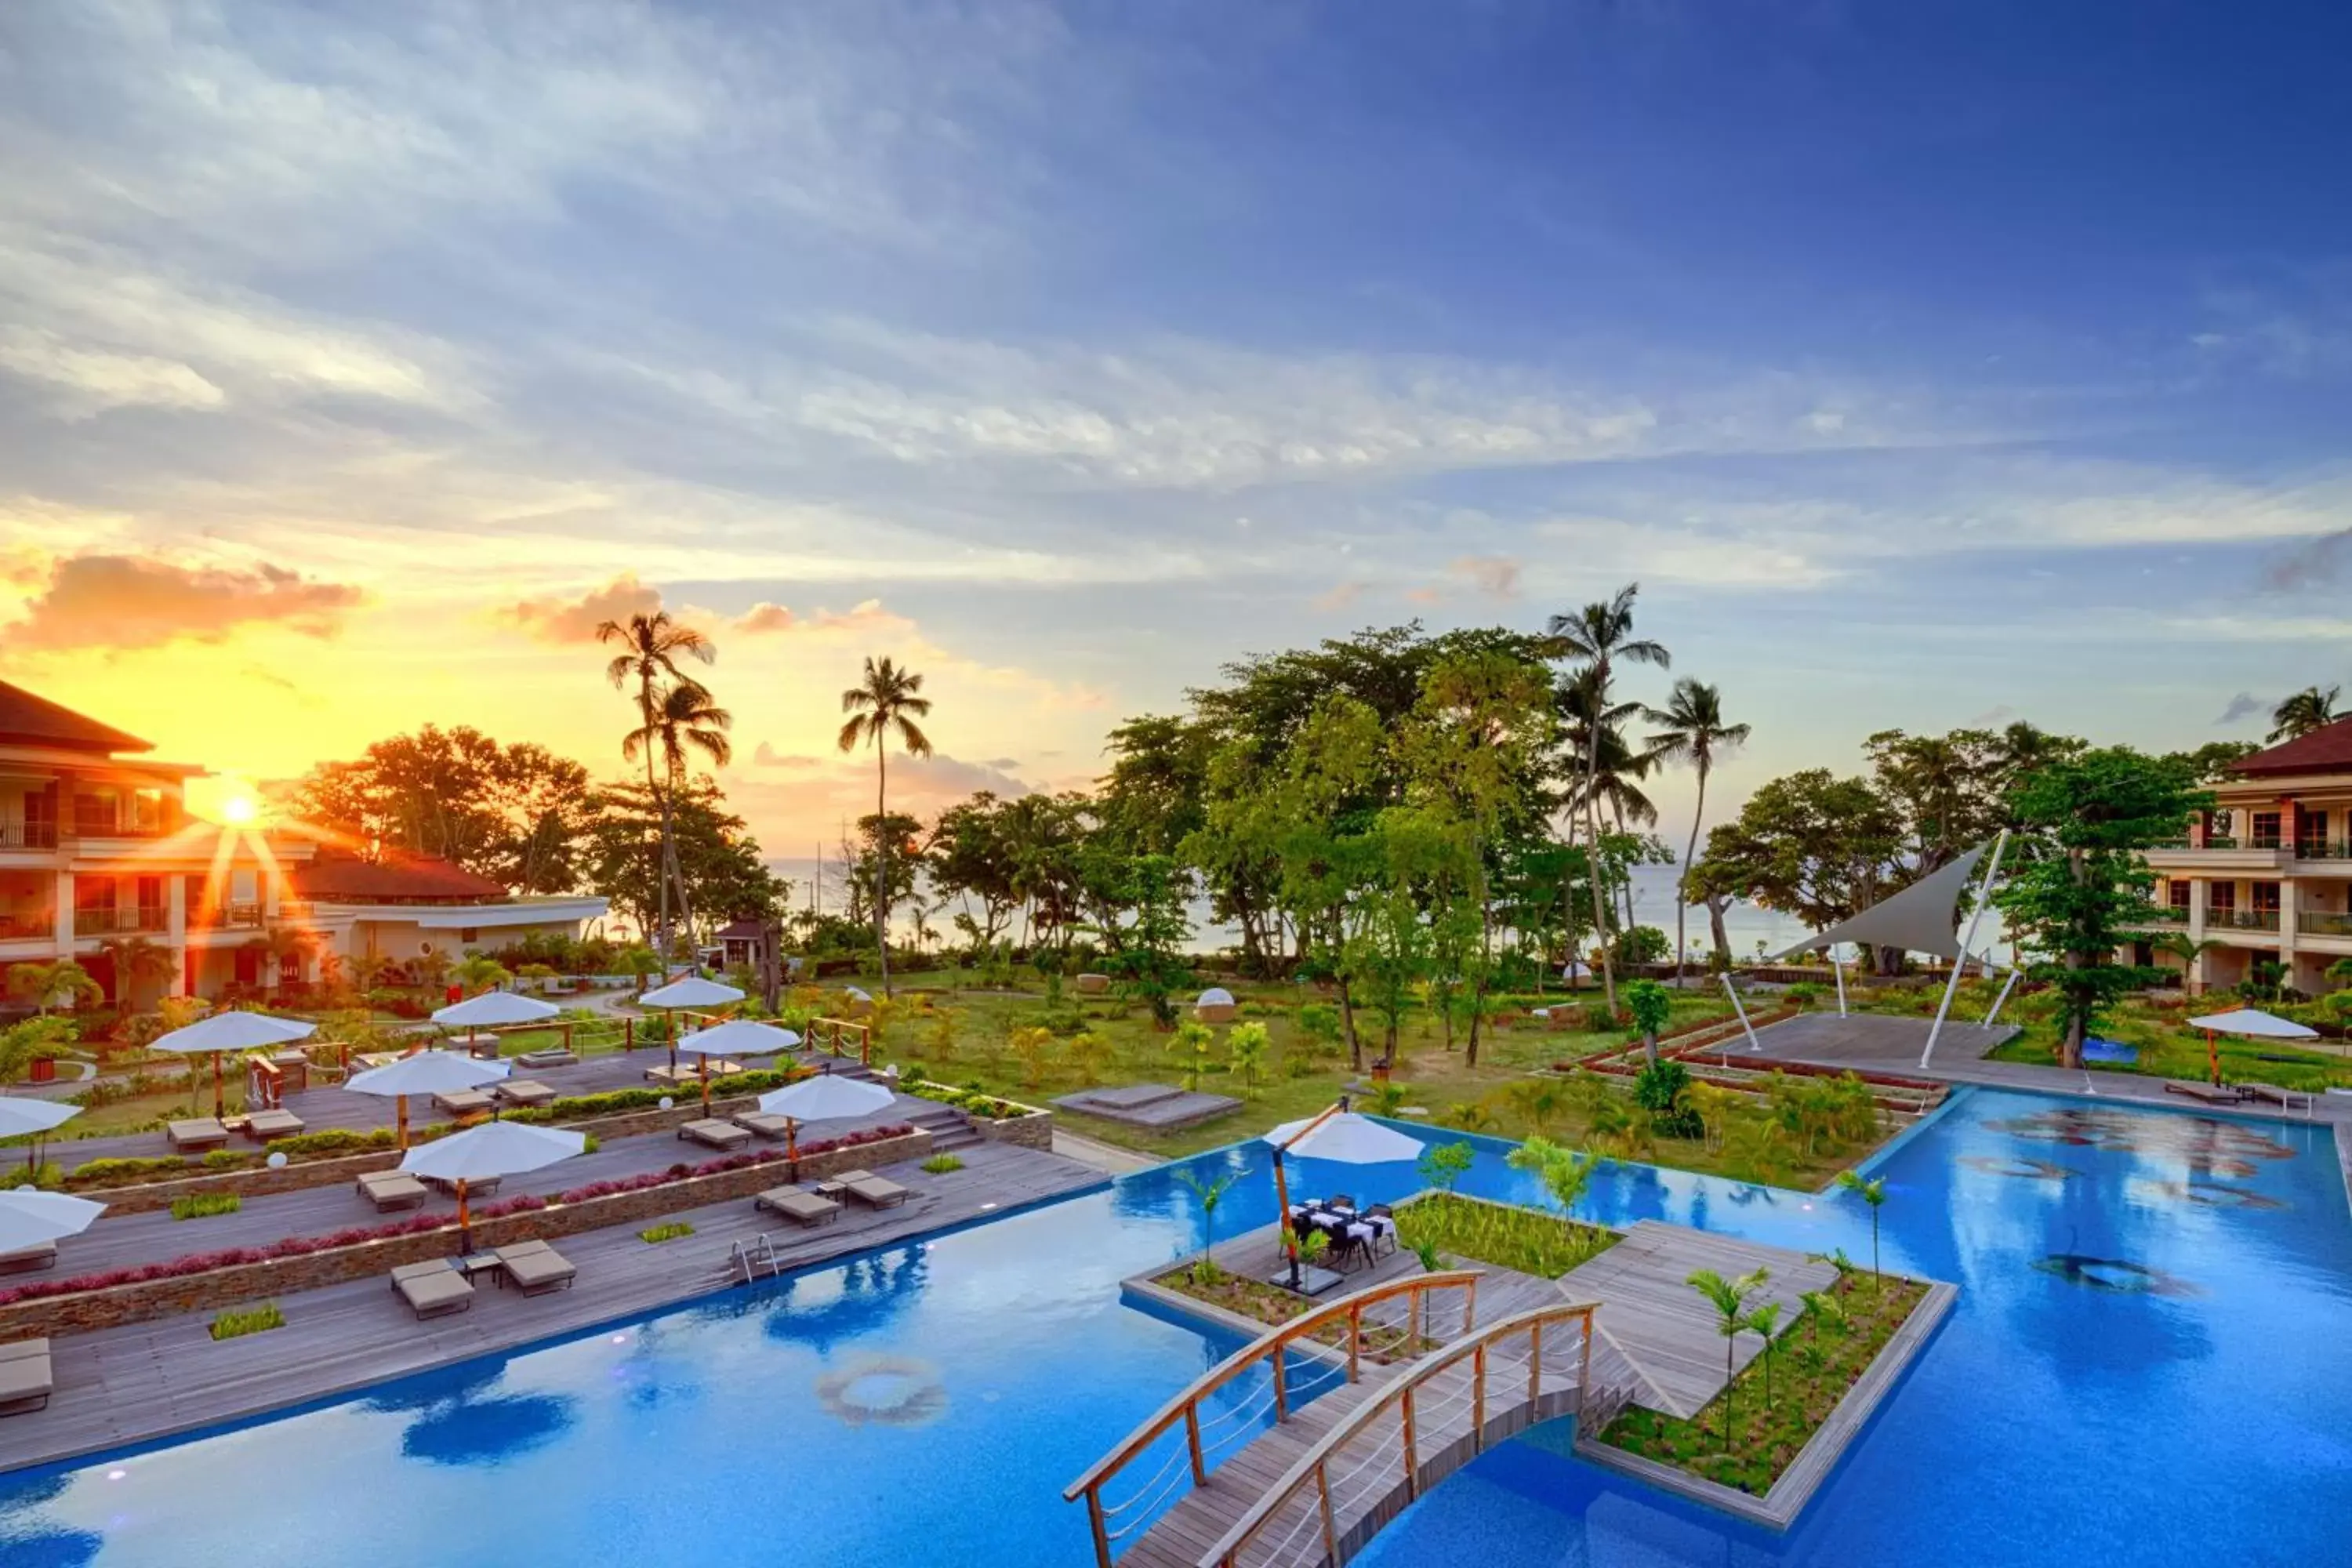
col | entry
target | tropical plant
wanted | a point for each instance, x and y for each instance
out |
(2178, 944)
(1660, 1089)
(479, 971)
(1385, 1099)
(1566, 1173)
(885, 702)
(1538, 1099)
(1442, 1165)
(61, 984)
(24, 1043)
(1188, 1047)
(1691, 730)
(642, 962)
(1030, 1046)
(1652, 1007)
(1208, 1192)
(136, 961)
(1245, 1045)
(1730, 1300)
(1764, 1321)
(2297, 716)
(1089, 1053)
(653, 644)
(1874, 1193)
(686, 719)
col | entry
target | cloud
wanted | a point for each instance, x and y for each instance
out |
(89, 380)
(566, 621)
(1497, 576)
(2316, 564)
(1338, 597)
(99, 601)
(2244, 705)
(764, 618)
(766, 756)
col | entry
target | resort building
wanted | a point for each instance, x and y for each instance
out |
(2265, 874)
(101, 863)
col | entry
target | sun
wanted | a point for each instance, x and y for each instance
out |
(240, 809)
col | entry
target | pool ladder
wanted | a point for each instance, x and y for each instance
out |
(749, 1261)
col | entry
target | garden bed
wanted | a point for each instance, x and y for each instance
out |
(1523, 1240)
(1238, 1295)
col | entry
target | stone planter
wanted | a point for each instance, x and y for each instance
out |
(1034, 1130)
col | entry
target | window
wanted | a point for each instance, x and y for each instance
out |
(2266, 830)
(2221, 896)
(2176, 894)
(471, 934)
(2266, 896)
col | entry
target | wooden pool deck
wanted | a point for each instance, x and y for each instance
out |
(123, 1387)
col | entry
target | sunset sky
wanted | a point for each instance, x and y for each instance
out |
(1927, 365)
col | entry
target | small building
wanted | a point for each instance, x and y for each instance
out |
(742, 944)
(396, 905)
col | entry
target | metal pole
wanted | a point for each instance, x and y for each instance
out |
(2003, 999)
(1732, 991)
(1838, 968)
(1967, 942)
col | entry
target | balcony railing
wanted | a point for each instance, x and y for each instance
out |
(2241, 920)
(28, 836)
(2320, 922)
(118, 922)
(25, 928)
(229, 917)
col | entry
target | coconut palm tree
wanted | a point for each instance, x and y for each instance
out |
(687, 719)
(135, 961)
(1691, 730)
(2309, 710)
(1874, 1193)
(887, 701)
(62, 983)
(1602, 637)
(479, 971)
(2178, 944)
(1730, 1300)
(654, 644)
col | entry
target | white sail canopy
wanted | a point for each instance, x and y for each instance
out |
(1919, 919)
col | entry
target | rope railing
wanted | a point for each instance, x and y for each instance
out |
(1494, 1374)
(1270, 1351)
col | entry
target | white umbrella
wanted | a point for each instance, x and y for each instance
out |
(492, 1008)
(824, 1097)
(231, 1032)
(1334, 1134)
(18, 1116)
(493, 1149)
(30, 1219)
(2250, 1021)
(425, 1072)
(737, 1037)
(691, 992)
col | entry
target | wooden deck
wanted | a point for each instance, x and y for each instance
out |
(121, 1387)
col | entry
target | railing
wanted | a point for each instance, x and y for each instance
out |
(2241, 920)
(1205, 1437)
(115, 923)
(2320, 922)
(28, 836)
(842, 1037)
(25, 928)
(1424, 1435)
(229, 917)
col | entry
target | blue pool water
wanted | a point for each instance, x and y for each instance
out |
(2172, 1383)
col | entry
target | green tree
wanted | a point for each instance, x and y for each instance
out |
(2297, 716)
(1730, 1300)
(1442, 1165)
(479, 971)
(1764, 1321)
(1600, 637)
(1245, 1045)
(1691, 729)
(2078, 887)
(642, 962)
(652, 647)
(1566, 1173)
(687, 719)
(2180, 945)
(885, 702)
(1208, 1192)
(1874, 1193)
(136, 962)
(1811, 845)
(1652, 1007)
(60, 984)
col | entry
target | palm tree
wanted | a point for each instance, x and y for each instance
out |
(1874, 1193)
(2309, 710)
(1764, 1321)
(1209, 1192)
(1730, 1300)
(654, 645)
(136, 961)
(2176, 942)
(1601, 635)
(887, 701)
(479, 971)
(1691, 730)
(687, 719)
(62, 983)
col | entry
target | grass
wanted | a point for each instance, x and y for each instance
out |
(1524, 1240)
(234, 1324)
(942, 1165)
(202, 1205)
(661, 1233)
(1810, 1374)
(2168, 1048)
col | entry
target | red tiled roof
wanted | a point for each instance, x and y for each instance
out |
(2324, 750)
(741, 931)
(24, 718)
(347, 879)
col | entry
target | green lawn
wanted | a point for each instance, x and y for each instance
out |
(2168, 1048)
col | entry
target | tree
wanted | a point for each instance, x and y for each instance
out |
(2178, 944)
(1208, 1192)
(1602, 636)
(653, 644)
(510, 813)
(686, 719)
(1445, 1164)
(972, 856)
(1730, 1300)
(136, 961)
(2297, 716)
(479, 971)
(1566, 1173)
(642, 962)
(2078, 885)
(61, 983)
(1652, 1007)
(885, 702)
(1874, 1193)
(1691, 729)
(716, 858)
(1811, 845)
(1764, 1321)
(1245, 1045)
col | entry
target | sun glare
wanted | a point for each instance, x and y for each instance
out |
(239, 809)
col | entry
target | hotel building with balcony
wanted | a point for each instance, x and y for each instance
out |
(98, 853)
(2266, 873)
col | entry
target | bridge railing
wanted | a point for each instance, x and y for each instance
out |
(1387, 1440)
(1341, 1339)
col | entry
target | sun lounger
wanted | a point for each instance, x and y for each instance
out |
(2274, 1094)
(536, 1267)
(477, 1187)
(539, 1060)
(203, 1132)
(390, 1190)
(871, 1190)
(25, 1260)
(432, 1287)
(26, 1381)
(760, 1124)
(465, 1102)
(2210, 1094)
(716, 1134)
(264, 1125)
(522, 1091)
(799, 1205)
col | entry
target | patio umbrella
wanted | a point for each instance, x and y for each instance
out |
(425, 1072)
(824, 1097)
(1338, 1134)
(231, 1032)
(18, 1116)
(2249, 1021)
(691, 992)
(28, 1218)
(737, 1037)
(492, 1008)
(493, 1149)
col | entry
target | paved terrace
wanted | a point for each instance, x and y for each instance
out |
(121, 1387)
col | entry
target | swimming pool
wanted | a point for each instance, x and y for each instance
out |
(926, 1403)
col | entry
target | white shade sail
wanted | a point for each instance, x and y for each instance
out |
(2253, 1021)
(234, 1032)
(738, 1037)
(32, 1218)
(428, 1072)
(1919, 919)
(493, 1149)
(21, 1116)
(492, 1008)
(691, 992)
(827, 1098)
(1347, 1138)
